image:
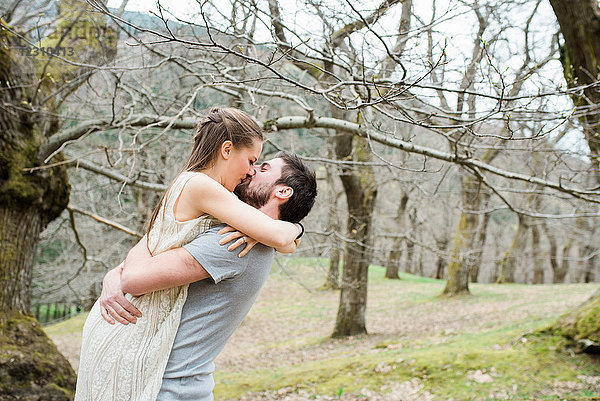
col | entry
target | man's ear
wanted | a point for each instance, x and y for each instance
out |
(226, 148)
(284, 192)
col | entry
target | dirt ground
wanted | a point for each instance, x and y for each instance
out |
(292, 320)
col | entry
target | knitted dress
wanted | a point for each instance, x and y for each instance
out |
(126, 362)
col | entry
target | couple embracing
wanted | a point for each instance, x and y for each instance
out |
(187, 285)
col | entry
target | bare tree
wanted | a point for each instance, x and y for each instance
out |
(36, 78)
(579, 21)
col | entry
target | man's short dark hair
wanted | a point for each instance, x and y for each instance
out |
(303, 181)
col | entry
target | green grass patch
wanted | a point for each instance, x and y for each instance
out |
(69, 326)
(482, 346)
(469, 366)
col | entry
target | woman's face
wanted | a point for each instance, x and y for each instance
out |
(241, 163)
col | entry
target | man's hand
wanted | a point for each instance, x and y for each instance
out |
(241, 239)
(113, 303)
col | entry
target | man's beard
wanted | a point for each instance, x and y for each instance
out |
(256, 197)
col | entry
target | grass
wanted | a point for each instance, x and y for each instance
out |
(478, 347)
(444, 369)
(69, 326)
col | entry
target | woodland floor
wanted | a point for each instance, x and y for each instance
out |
(419, 347)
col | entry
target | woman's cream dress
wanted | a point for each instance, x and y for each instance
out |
(127, 362)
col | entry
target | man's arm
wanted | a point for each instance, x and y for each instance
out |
(142, 277)
(144, 273)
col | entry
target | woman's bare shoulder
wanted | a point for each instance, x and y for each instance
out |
(201, 184)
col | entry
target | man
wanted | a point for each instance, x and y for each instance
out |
(223, 285)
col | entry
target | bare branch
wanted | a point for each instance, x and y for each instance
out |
(106, 221)
(113, 175)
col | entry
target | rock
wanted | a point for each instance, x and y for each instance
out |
(31, 368)
(479, 377)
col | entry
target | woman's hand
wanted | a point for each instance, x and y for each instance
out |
(113, 303)
(241, 239)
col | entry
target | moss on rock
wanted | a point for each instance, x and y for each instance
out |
(31, 368)
(581, 327)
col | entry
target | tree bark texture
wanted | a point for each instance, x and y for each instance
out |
(19, 230)
(461, 253)
(27, 198)
(458, 273)
(31, 368)
(360, 188)
(579, 22)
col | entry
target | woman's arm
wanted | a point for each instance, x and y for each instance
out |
(242, 238)
(205, 195)
(113, 304)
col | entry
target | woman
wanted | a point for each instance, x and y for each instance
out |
(126, 362)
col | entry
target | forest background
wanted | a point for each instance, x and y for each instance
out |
(457, 140)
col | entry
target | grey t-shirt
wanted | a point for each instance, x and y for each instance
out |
(214, 308)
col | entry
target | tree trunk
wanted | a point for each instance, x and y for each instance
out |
(538, 262)
(31, 368)
(515, 251)
(333, 275)
(458, 274)
(19, 230)
(561, 274)
(579, 22)
(559, 264)
(478, 245)
(361, 191)
(462, 246)
(395, 254)
(333, 226)
(419, 262)
(590, 263)
(442, 244)
(411, 265)
(392, 267)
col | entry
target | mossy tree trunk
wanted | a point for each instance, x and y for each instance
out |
(31, 368)
(579, 22)
(461, 253)
(359, 186)
(360, 189)
(458, 273)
